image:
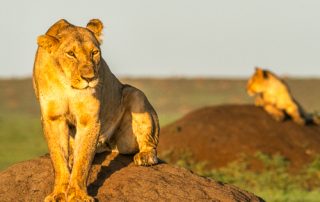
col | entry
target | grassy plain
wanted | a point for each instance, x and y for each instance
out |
(21, 134)
(273, 182)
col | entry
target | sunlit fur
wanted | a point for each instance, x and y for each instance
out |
(85, 109)
(274, 96)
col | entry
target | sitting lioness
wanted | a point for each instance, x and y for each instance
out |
(274, 96)
(85, 109)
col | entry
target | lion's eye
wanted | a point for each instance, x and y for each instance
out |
(95, 52)
(71, 54)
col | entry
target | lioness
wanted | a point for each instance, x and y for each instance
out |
(274, 96)
(85, 109)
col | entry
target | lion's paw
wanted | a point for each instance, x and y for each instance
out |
(56, 197)
(299, 121)
(145, 158)
(77, 195)
(279, 118)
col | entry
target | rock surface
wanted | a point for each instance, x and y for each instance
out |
(219, 135)
(114, 178)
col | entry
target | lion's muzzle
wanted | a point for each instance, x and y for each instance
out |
(250, 92)
(87, 72)
(85, 77)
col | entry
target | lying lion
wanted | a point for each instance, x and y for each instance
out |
(274, 96)
(85, 109)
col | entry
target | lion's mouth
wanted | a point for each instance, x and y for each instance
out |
(85, 83)
(250, 91)
(93, 83)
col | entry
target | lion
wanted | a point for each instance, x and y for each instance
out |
(85, 109)
(274, 96)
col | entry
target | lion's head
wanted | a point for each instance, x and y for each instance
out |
(258, 83)
(75, 50)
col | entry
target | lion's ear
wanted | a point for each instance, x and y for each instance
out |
(258, 69)
(96, 26)
(49, 43)
(265, 74)
(57, 27)
(260, 72)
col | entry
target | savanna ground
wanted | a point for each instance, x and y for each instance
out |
(21, 133)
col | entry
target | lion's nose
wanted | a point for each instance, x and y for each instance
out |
(87, 78)
(87, 73)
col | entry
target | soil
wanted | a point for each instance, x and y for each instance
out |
(114, 178)
(222, 134)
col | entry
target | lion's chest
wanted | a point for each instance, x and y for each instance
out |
(77, 106)
(83, 103)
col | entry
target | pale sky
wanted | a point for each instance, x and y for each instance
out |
(207, 38)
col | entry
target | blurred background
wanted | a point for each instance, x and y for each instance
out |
(184, 55)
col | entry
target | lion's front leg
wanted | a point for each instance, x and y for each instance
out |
(276, 113)
(258, 101)
(84, 151)
(56, 133)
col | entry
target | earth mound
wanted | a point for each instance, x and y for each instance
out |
(218, 135)
(113, 177)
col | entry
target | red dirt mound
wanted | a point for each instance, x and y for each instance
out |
(219, 134)
(113, 177)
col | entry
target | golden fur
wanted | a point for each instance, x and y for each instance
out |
(85, 109)
(274, 96)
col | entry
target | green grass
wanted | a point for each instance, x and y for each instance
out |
(273, 183)
(21, 138)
